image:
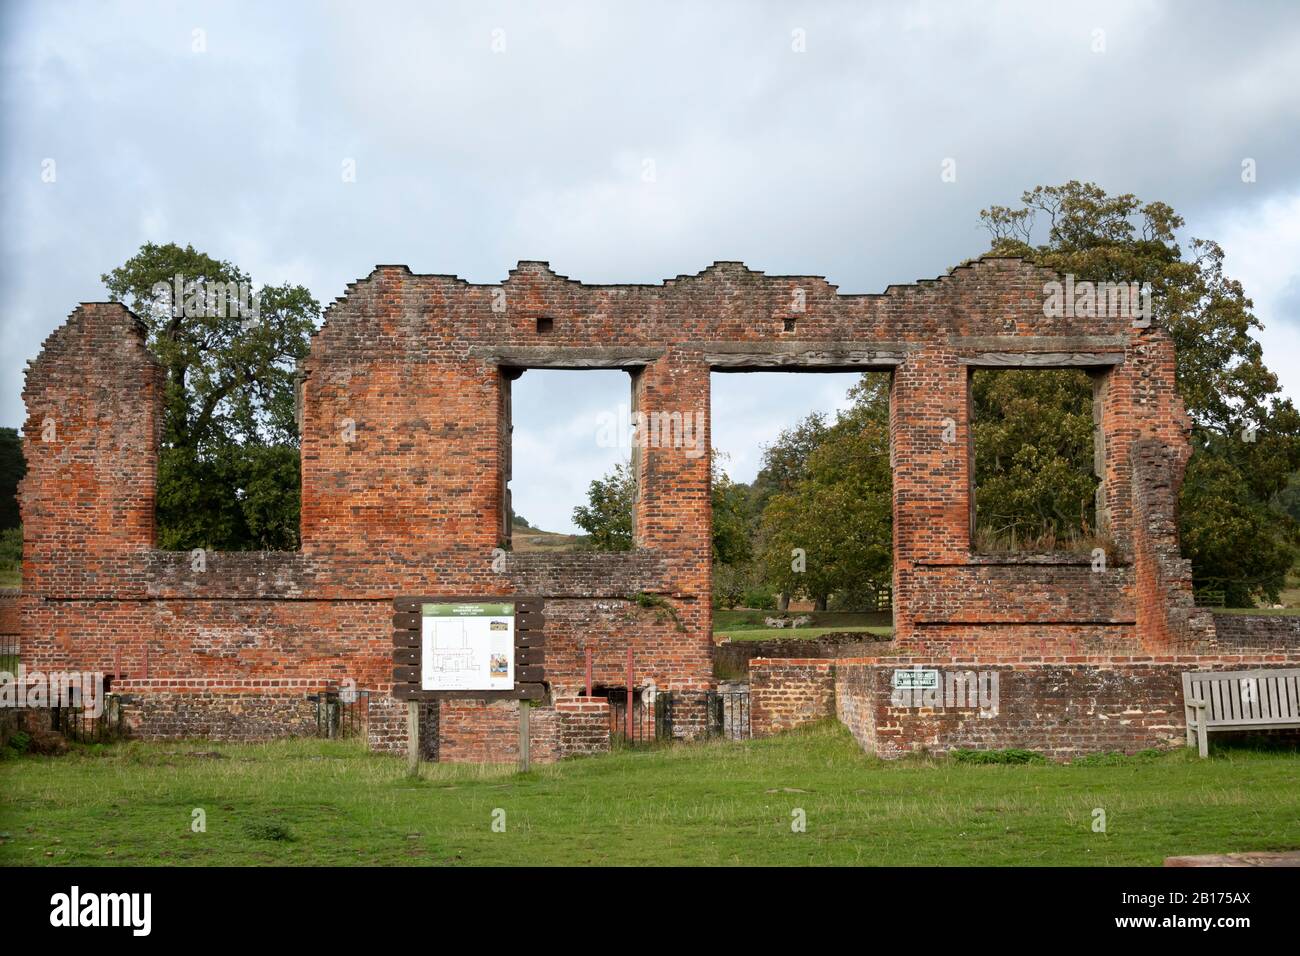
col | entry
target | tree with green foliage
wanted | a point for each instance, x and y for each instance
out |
(1246, 435)
(228, 470)
(830, 530)
(13, 466)
(785, 461)
(1035, 486)
(607, 515)
(731, 517)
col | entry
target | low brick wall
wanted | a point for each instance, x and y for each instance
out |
(584, 726)
(785, 693)
(243, 711)
(1061, 707)
(487, 731)
(452, 731)
(1256, 633)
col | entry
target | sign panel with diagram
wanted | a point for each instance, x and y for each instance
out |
(462, 647)
(467, 647)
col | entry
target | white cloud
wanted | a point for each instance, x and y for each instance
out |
(1261, 245)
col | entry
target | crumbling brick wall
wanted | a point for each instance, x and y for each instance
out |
(405, 460)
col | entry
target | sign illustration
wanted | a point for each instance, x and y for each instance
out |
(467, 646)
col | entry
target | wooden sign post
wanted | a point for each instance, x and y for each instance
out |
(412, 737)
(524, 741)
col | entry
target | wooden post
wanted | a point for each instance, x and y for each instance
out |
(629, 696)
(524, 740)
(412, 738)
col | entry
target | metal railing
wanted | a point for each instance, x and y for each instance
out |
(9, 653)
(78, 726)
(341, 714)
(728, 714)
(649, 724)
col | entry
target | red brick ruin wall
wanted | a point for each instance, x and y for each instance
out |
(405, 458)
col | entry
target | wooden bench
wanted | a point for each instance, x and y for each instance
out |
(1240, 700)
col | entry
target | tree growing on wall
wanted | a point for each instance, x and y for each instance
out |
(1246, 435)
(228, 469)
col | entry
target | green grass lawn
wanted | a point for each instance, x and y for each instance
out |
(747, 624)
(324, 802)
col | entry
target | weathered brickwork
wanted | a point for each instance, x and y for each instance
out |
(405, 418)
(1060, 707)
(1167, 616)
(785, 693)
(477, 731)
(584, 725)
(732, 657)
(217, 710)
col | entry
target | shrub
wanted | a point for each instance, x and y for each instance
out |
(268, 830)
(11, 549)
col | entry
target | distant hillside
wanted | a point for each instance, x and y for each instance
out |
(535, 539)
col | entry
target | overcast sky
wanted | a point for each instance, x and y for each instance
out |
(487, 133)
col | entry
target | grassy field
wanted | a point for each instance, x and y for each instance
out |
(747, 625)
(322, 802)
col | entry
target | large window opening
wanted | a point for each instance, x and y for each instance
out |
(802, 504)
(1036, 461)
(571, 474)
